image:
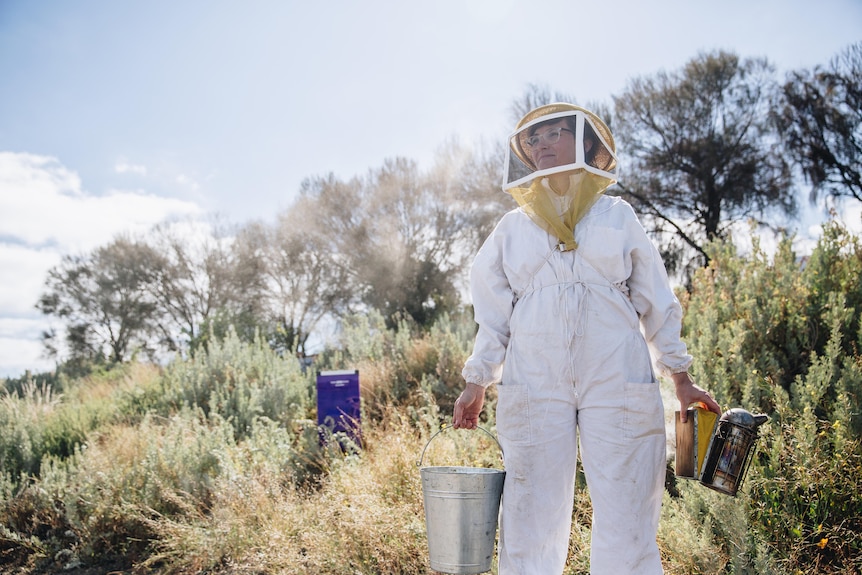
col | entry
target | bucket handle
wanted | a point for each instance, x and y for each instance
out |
(444, 428)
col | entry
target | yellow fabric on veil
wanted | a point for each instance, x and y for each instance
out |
(559, 211)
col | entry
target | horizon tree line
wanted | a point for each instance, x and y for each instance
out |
(716, 142)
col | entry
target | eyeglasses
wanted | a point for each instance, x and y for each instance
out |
(552, 136)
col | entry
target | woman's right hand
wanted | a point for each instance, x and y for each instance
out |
(468, 407)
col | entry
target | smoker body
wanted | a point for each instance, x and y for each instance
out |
(718, 459)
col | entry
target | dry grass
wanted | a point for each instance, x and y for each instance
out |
(365, 517)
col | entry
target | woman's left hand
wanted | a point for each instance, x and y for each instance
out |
(687, 392)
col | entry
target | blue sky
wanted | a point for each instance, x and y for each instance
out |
(117, 115)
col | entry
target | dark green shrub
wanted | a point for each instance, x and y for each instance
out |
(782, 336)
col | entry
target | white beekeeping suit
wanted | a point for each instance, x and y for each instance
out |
(574, 309)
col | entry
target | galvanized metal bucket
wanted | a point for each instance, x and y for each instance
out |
(462, 505)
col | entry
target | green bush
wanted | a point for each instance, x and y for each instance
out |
(38, 420)
(237, 381)
(782, 336)
(807, 500)
(126, 477)
(22, 428)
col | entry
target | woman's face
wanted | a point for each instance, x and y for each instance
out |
(546, 155)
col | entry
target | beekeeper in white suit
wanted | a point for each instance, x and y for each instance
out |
(574, 309)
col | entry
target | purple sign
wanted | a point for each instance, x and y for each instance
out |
(338, 402)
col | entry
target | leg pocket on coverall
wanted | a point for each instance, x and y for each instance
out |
(644, 411)
(513, 413)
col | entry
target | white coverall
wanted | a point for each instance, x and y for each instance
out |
(563, 334)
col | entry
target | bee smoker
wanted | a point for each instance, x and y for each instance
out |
(718, 459)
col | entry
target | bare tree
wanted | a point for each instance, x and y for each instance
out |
(204, 273)
(702, 152)
(400, 236)
(303, 282)
(821, 119)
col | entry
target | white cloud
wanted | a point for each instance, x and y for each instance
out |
(124, 167)
(25, 270)
(42, 203)
(185, 180)
(18, 355)
(45, 214)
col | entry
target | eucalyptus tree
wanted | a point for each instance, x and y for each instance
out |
(105, 302)
(821, 119)
(701, 154)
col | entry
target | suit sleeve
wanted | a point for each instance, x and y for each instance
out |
(659, 309)
(493, 302)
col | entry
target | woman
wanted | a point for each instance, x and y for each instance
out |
(574, 305)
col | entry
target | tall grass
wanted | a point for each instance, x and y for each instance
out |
(213, 464)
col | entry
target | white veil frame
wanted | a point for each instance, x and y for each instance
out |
(518, 170)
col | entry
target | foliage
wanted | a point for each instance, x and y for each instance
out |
(104, 300)
(365, 518)
(237, 381)
(747, 318)
(821, 120)
(751, 318)
(808, 502)
(397, 241)
(54, 417)
(302, 277)
(784, 337)
(401, 236)
(213, 464)
(21, 431)
(703, 153)
(405, 365)
(719, 528)
(205, 275)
